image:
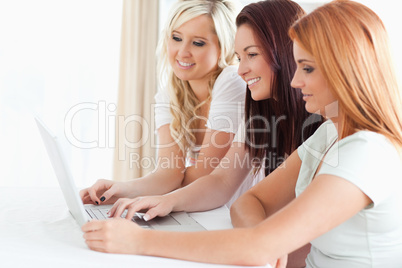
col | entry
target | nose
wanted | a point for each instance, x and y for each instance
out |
(184, 50)
(243, 69)
(296, 80)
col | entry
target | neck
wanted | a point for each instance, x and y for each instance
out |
(200, 89)
(334, 112)
(338, 123)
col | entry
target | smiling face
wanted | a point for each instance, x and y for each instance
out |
(193, 50)
(309, 79)
(252, 67)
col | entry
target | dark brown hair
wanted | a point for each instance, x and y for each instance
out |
(289, 122)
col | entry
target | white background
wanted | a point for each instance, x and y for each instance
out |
(57, 56)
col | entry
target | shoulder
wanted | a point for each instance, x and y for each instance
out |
(317, 144)
(229, 84)
(228, 72)
(368, 144)
(369, 150)
(162, 96)
(227, 105)
(367, 159)
(364, 150)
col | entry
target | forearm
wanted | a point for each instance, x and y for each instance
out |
(160, 182)
(194, 173)
(203, 167)
(268, 196)
(206, 193)
(217, 144)
(215, 189)
(236, 246)
(247, 211)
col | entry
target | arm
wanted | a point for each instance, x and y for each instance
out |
(268, 196)
(215, 145)
(170, 173)
(206, 193)
(167, 176)
(224, 115)
(317, 210)
(217, 188)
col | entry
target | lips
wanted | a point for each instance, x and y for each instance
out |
(306, 96)
(253, 81)
(185, 65)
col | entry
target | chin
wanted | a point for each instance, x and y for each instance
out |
(259, 97)
(181, 77)
(312, 110)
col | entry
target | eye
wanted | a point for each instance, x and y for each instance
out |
(176, 38)
(308, 69)
(252, 55)
(238, 57)
(198, 44)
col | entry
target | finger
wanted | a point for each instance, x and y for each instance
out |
(144, 203)
(92, 226)
(86, 199)
(108, 194)
(113, 210)
(83, 193)
(131, 209)
(153, 212)
(121, 206)
(96, 245)
(96, 235)
(92, 193)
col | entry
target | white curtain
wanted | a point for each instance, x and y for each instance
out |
(134, 149)
(56, 56)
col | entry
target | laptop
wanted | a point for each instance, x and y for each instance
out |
(177, 221)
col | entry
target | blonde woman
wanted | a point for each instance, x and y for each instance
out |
(340, 189)
(199, 110)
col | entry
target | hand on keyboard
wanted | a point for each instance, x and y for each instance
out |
(155, 206)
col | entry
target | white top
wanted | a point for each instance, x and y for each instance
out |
(373, 237)
(227, 104)
(251, 179)
(241, 132)
(225, 112)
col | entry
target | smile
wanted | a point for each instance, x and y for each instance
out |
(306, 96)
(185, 64)
(253, 81)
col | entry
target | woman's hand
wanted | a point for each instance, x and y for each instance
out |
(113, 236)
(104, 192)
(160, 206)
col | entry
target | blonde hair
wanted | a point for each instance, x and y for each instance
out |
(350, 45)
(183, 102)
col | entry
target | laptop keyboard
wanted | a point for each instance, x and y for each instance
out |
(101, 214)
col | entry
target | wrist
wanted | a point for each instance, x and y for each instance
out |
(145, 246)
(130, 188)
(173, 199)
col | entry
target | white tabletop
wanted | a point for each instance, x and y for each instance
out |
(37, 230)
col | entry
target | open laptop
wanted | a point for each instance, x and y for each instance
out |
(177, 221)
